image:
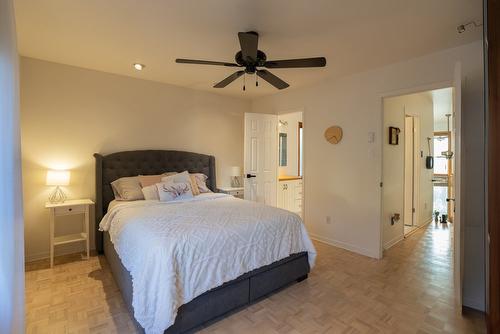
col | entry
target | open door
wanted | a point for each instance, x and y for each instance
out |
(454, 181)
(411, 172)
(261, 154)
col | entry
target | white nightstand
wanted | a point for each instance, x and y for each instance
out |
(236, 192)
(70, 207)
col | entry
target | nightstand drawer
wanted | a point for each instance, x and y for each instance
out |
(237, 193)
(69, 210)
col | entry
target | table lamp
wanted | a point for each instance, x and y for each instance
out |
(57, 178)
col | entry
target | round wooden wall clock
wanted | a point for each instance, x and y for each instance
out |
(333, 134)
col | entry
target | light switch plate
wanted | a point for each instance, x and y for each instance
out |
(371, 137)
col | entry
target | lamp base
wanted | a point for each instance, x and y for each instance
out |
(235, 181)
(57, 196)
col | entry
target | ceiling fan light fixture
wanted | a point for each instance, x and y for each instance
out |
(138, 66)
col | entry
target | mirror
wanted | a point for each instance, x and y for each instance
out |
(282, 150)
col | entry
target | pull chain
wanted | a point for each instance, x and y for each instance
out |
(256, 80)
(244, 81)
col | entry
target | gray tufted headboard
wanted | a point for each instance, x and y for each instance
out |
(146, 162)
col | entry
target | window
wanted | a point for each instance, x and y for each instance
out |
(441, 144)
(282, 149)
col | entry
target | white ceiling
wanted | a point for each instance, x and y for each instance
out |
(354, 35)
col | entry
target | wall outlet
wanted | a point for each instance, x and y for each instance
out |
(328, 220)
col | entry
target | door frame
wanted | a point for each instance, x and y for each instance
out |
(457, 224)
(492, 95)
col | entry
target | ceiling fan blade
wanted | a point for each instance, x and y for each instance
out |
(249, 42)
(205, 62)
(272, 79)
(295, 63)
(229, 79)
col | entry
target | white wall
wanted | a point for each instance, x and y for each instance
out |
(292, 134)
(11, 219)
(342, 181)
(69, 113)
(395, 109)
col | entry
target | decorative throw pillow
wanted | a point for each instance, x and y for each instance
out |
(127, 189)
(201, 182)
(150, 192)
(183, 177)
(194, 185)
(149, 180)
(169, 191)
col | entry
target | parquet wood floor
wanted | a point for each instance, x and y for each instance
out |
(409, 291)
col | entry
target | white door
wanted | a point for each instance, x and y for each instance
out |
(455, 182)
(412, 171)
(261, 157)
(409, 207)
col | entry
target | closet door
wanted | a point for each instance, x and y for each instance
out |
(260, 147)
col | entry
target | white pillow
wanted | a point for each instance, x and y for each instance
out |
(177, 178)
(151, 193)
(127, 189)
(169, 191)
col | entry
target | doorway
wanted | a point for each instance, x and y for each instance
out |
(418, 175)
(434, 108)
(290, 157)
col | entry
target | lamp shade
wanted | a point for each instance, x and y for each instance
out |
(57, 178)
(235, 171)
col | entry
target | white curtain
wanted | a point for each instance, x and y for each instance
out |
(11, 218)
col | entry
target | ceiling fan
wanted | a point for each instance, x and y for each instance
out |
(250, 58)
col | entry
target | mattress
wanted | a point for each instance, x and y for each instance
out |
(176, 251)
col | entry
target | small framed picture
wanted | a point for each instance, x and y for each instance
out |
(394, 135)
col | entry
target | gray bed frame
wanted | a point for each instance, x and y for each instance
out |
(213, 304)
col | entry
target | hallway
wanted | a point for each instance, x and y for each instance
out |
(409, 291)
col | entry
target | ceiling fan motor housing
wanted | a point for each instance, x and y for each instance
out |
(251, 65)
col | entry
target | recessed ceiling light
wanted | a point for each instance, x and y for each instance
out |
(139, 67)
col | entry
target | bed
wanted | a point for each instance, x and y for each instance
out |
(218, 301)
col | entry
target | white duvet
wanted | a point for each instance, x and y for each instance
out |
(176, 251)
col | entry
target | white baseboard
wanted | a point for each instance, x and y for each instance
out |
(345, 245)
(397, 239)
(420, 227)
(392, 242)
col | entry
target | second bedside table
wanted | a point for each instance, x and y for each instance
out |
(70, 207)
(236, 192)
